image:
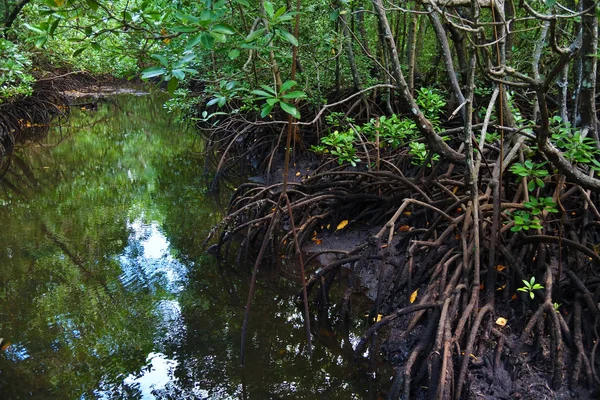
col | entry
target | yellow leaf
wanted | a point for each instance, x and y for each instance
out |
(328, 226)
(407, 213)
(413, 296)
(298, 173)
(500, 267)
(342, 225)
(474, 356)
(454, 189)
(404, 228)
(379, 316)
(501, 287)
(501, 321)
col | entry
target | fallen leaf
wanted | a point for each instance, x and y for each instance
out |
(413, 296)
(500, 267)
(384, 246)
(317, 240)
(514, 297)
(379, 316)
(298, 173)
(501, 287)
(328, 226)
(454, 189)
(407, 213)
(314, 233)
(404, 228)
(474, 356)
(481, 286)
(342, 225)
(501, 321)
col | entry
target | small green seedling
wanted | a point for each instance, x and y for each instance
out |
(556, 307)
(530, 287)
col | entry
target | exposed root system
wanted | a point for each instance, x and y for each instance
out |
(446, 265)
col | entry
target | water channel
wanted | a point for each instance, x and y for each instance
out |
(105, 290)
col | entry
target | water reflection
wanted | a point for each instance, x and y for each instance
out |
(105, 291)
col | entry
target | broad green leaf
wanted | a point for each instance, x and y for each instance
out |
(92, 5)
(162, 59)
(223, 28)
(272, 101)
(290, 109)
(219, 37)
(172, 85)
(265, 110)
(35, 29)
(40, 41)
(78, 51)
(287, 85)
(261, 93)
(53, 27)
(280, 11)
(233, 54)
(194, 41)
(269, 89)
(222, 101)
(207, 40)
(243, 2)
(269, 9)
(177, 73)
(206, 15)
(184, 29)
(152, 72)
(294, 95)
(256, 34)
(285, 35)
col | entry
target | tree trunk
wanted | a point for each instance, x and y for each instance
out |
(589, 48)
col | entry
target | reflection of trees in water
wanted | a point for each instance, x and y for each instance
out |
(72, 321)
(81, 321)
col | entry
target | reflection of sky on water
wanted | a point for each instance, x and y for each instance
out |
(147, 262)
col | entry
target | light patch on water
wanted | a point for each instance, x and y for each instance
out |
(147, 259)
(159, 372)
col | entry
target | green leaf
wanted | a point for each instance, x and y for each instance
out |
(78, 51)
(531, 295)
(35, 29)
(53, 27)
(207, 40)
(294, 95)
(92, 5)
(531, 185)
(269, 9)
(262, 93)
(243, 2)
(272, 101)
(290, 109)
(233, 54)
(194, 41)
(177, 73)
(257, 33)
(184, 29)
(172, 85)
(285, 35)
(223, 29)
(269, 89)
(280, 11)
(287, 85)
(265, 110)
(40, 41)
(162, 59)
(153, 72)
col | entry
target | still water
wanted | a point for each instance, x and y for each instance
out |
(105, 291)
